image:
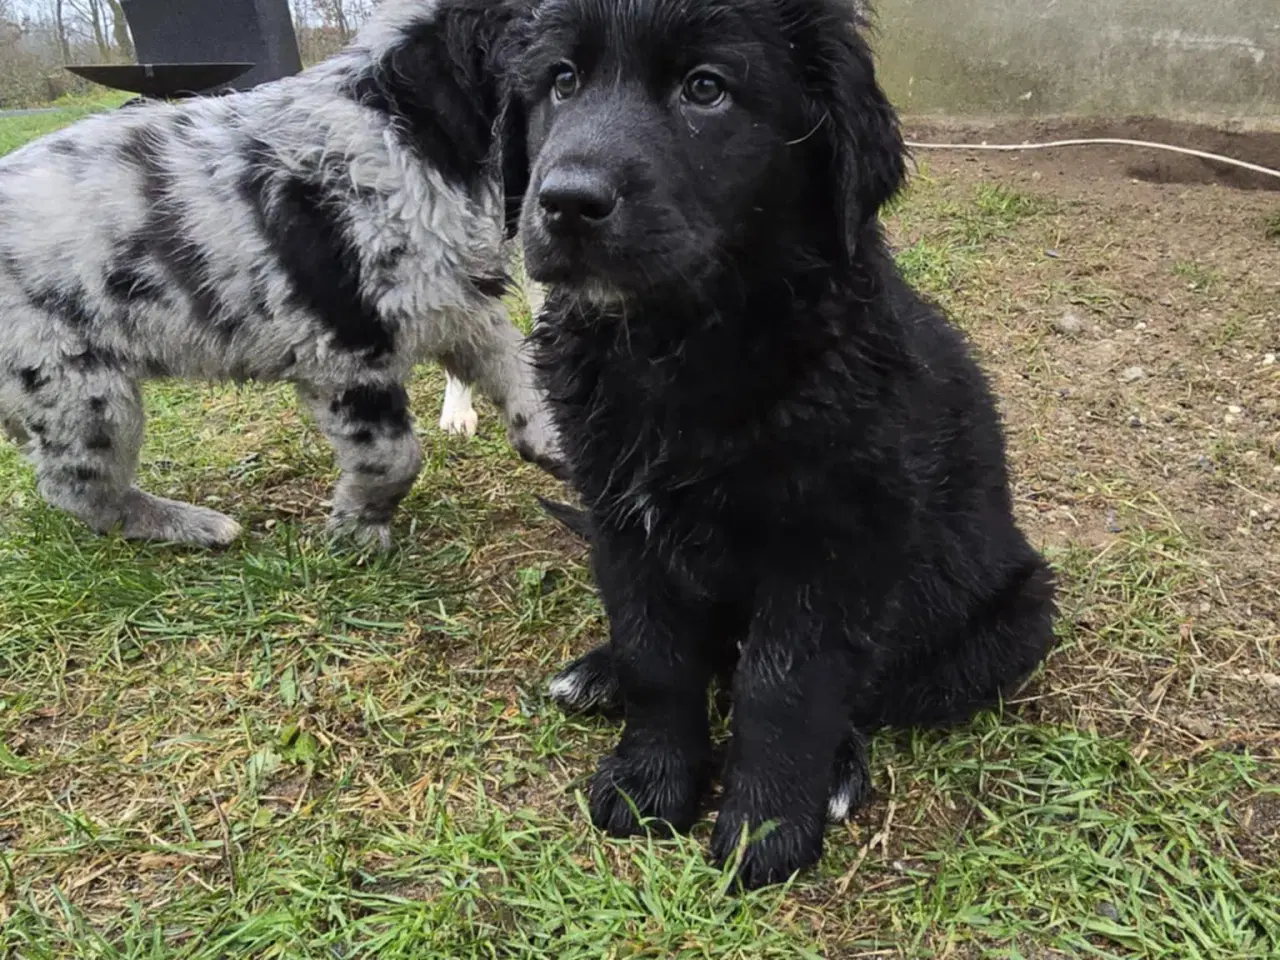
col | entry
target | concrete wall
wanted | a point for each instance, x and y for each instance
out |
(1186, 59)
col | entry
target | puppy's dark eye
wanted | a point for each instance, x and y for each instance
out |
(564, 81)
(702, 88)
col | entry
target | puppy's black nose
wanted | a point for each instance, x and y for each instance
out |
(572, 197)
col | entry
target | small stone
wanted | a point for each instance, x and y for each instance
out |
(1200, 728)
(1108, 911)
(1235, 411)
(1070, 323)
(1052, 254)
(1268, 359)
(1140, 325)
(1133, 374)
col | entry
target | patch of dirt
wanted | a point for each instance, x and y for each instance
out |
(1262, 818)
(1252, 146)
(1131, 325)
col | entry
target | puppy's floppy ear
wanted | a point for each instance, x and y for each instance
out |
(435, 70)
(512, 124)
(513, 141)
(854, 118)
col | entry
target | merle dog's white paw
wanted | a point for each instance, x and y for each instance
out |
(460, 423)
(458, 416)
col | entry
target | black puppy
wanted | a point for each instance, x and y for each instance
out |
(792, 468)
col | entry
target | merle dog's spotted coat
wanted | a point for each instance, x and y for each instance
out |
(792, 469)
(330, 229)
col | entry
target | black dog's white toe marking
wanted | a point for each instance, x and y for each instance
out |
(850, 781)
(588, 685)
(845, 799)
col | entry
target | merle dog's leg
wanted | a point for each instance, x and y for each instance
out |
(790, 720)
(371, 430)
(458, 415)
(493, 358)
(660, 767)
(82, 419)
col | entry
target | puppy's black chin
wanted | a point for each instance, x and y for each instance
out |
(606, 275)
(575, 278)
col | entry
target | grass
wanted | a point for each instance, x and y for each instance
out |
(279, 752)
(19, 129)
(1197, 276)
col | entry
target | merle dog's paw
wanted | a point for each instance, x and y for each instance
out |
(346, 532)
(459, 420)
(149, 517)
(850, 780)
(775, 848)
(532, 433)
(588, 685)
(646, 782)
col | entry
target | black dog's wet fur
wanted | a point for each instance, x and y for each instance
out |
(779, 444)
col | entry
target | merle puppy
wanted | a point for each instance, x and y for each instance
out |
(331, 229)
(793, 470)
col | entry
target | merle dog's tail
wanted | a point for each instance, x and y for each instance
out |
(575, 519)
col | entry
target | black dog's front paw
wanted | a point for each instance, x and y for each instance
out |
(589, 685)
(775, 849)
(650, 782)
(850, 779)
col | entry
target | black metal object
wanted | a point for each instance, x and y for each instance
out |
(259, 32)
(166, 81)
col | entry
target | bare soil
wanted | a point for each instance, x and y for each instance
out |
(1261, 147)
(1132, 324)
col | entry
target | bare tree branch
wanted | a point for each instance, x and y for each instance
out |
(120, 30)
